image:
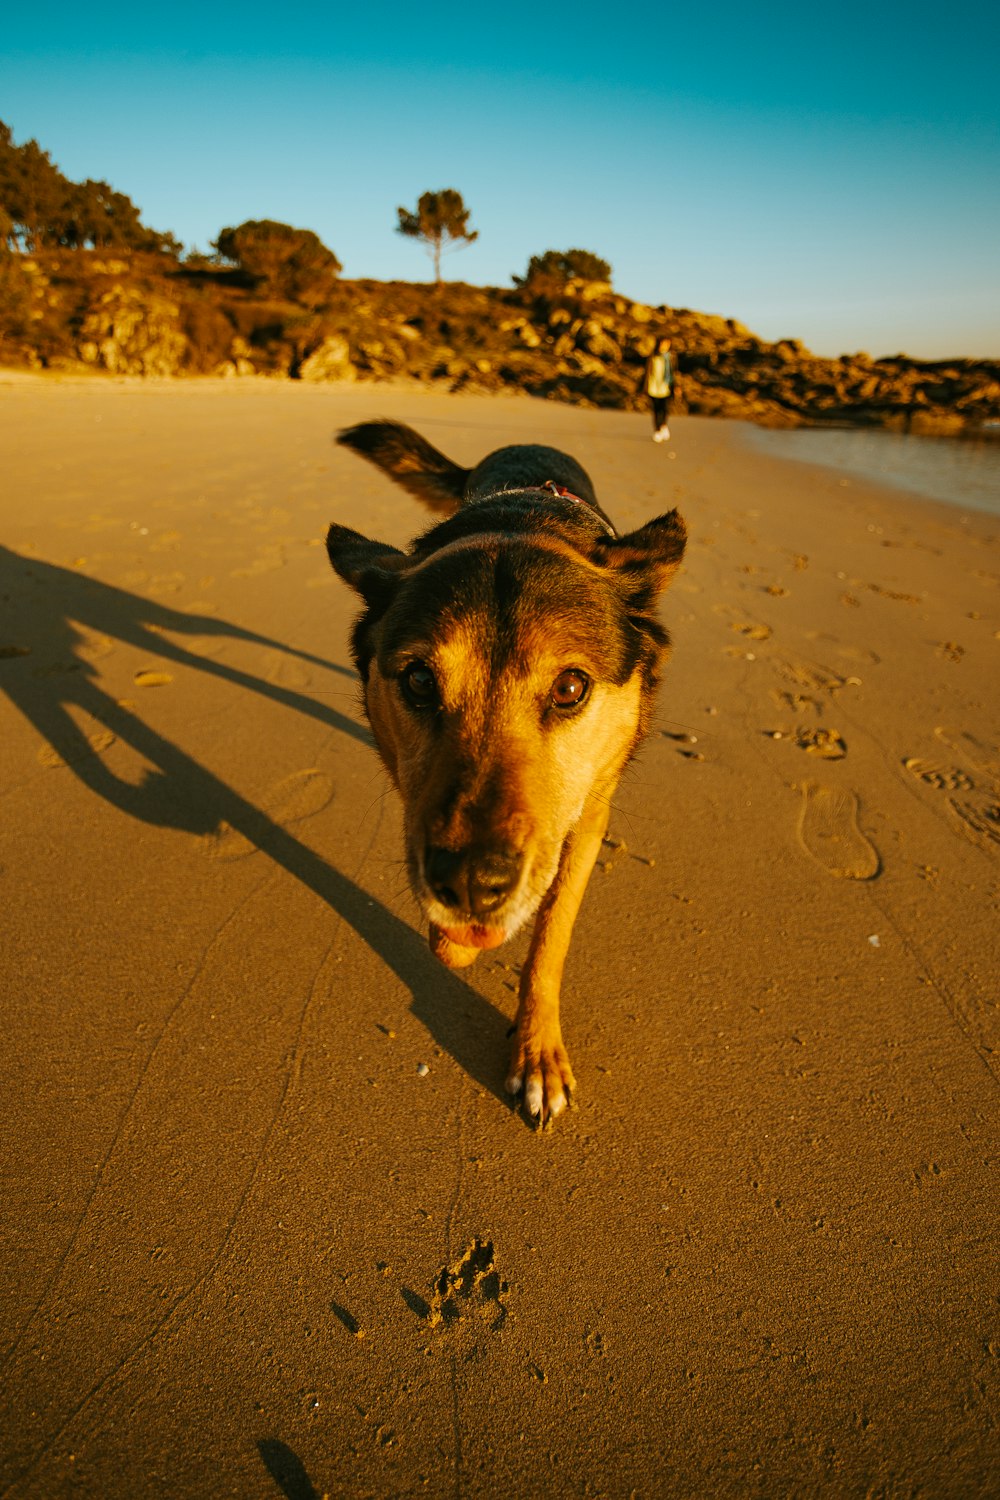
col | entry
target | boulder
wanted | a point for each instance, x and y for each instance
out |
(130, 331)
(331, 360)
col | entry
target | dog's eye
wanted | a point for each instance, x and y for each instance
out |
(418, 685)
(570, 688)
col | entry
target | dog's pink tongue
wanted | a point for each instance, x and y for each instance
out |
(460, 946)
(475, 936)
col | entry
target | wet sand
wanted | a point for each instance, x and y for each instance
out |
(249, 1247)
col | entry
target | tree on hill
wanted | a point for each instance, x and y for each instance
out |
(41, 209)
(556, 267)
(438, 217)
(287, 262)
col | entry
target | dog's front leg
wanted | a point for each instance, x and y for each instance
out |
(539, 1064)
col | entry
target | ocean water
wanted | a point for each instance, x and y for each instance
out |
(962, 471)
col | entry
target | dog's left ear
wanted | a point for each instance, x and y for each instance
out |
(371, 568)
(645, 560)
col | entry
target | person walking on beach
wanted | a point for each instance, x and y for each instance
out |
(659, 386)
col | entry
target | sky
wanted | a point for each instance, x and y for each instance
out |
(830, 174)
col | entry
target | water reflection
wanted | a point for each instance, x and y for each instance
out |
(963, 471)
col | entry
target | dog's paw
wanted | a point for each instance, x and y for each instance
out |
(540, 1072)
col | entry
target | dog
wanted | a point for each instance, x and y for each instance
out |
(509, 660)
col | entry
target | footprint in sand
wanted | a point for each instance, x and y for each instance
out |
(148, 678)
(91, 744)
(945, 778)
(982, 757)
(815, 678)
(165, 583)
(799, 703)
(298, 796)
(978, 821)
(827, 744)
(981, 824)
(753, 630)
(93, 645)
(285, 671)
(828, 831)
(269, 559)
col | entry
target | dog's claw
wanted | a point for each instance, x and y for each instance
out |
(534, 1098)
(541, 1074)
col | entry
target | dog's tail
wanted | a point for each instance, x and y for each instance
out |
(410, 460)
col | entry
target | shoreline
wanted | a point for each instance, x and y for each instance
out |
(965, 477)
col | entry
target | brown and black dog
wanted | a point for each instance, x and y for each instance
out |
(509, 660)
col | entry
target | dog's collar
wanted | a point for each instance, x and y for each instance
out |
(562, 493)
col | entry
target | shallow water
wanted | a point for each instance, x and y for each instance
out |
(961, 471)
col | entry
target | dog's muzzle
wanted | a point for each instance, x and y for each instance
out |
(476, 880)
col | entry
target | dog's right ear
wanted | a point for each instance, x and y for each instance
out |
(371, 568)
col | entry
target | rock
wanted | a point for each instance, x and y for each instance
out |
(330, 361)
(131, 332)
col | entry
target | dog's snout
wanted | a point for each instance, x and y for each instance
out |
(476, 879)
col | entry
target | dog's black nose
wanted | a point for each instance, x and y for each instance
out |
(476, 880)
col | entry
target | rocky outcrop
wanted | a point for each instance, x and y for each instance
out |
(330, 360)
(132, 332)
(580, 342)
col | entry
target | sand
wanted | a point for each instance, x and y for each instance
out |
(270, 1226)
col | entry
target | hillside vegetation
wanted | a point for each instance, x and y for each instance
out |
(145, 313)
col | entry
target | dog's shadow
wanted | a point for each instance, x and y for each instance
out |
(45, 671)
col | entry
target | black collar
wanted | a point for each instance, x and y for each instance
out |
(561, 493)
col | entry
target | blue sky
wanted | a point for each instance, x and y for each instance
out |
(827, 175)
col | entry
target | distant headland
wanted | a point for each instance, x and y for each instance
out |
(85, 285)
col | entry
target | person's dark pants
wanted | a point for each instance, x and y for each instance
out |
(661, 408)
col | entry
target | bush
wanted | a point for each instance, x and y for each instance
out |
(283, 261)
(556, 267)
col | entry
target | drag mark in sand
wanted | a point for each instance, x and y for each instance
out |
(828, 831)
(136, 1152)
(147, 677)
(301, 795)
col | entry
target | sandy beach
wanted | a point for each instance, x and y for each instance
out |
(270, 1225)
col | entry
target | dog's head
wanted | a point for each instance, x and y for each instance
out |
(508, 676)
